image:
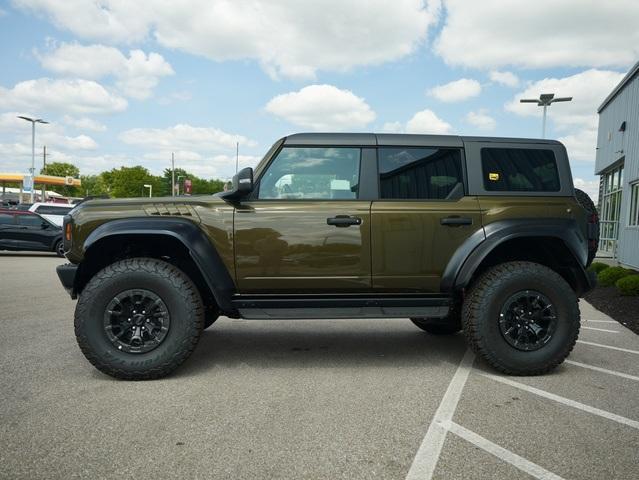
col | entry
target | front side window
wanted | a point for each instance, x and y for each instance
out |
(30, 220)
(519, 170)
(420, 173)
(312, 174)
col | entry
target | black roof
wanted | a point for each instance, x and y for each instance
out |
(397, 139)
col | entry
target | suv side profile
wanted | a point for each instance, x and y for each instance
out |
(24, 230)
(484, 235)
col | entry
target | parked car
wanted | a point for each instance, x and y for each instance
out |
(487, 235)
(24, 230)
(54, 212)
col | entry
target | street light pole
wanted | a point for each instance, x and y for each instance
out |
(545, 100)
(32, 169)
(172, 174)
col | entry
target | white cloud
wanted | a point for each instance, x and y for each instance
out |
(183, 137)
(64, 95)
(591, 187)
(427, 121)
(84, 123)
(456, 91)
(290, 39)
(481, 120)
(322, 107)
(79, 142)
(507, 79)
(424, 122)
(544, 33)
(576, 120)
(136, 76)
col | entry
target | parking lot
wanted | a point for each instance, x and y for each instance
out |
(306, 399)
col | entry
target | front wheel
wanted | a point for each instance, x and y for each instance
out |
(59, 248)
(522, 318)
(139, 319)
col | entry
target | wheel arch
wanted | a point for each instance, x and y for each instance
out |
(178, 241)
(556, 243)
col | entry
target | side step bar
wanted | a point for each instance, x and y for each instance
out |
(339, 306)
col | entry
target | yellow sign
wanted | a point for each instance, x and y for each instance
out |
(493, 177)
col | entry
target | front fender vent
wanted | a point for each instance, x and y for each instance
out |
(171, 210)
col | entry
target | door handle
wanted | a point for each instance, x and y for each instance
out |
(456, 221)
(343, 221)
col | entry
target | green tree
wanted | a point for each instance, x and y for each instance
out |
(126, 182)
(63, 169)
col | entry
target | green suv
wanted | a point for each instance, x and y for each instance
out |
(484, 235)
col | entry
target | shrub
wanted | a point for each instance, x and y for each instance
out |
(628, 285)
(609, 276)
(597, 267)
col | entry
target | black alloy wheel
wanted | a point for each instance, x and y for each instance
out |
(527, 320)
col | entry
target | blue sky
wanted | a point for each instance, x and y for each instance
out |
(124, 84)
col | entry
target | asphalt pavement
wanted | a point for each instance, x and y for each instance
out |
(306, 399)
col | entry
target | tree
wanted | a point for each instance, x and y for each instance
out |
(62, 169)
(129, 182)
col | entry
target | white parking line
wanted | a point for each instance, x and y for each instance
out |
(566, 401)
(506, 455)
(426, 458)
(627, 350)
(600, 329)
(599, 321)
(603, 370)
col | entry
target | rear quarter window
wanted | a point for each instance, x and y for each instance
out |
(519, 170)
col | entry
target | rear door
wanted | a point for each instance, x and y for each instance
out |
(422, 216)
(307, 229)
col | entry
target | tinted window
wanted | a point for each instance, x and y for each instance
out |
(6, 219)
(519, 170)
(30, 220)
(312, 173)
(51, 210)
(424, 173)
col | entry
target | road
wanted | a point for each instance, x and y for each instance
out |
(306, 399)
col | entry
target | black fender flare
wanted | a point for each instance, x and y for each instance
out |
(203, 253)
(476, 248)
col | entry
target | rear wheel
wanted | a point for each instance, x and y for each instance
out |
(522, 318)
(139, 319)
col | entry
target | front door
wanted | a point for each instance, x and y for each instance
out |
(305, 230)
(34, 233)
(421, 217)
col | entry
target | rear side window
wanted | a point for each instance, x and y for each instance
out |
(51, 210)
(420, 173)
(519, 170)
(6, 219)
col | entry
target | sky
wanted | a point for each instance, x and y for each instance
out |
(127, 83)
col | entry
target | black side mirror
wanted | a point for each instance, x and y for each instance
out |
(242, 185)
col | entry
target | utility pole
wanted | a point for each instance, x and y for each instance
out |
(237, 156)
(44, 169)
(32, 169)
(172, 174)
(545, 100)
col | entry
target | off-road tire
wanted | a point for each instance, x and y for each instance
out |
(183, 303)
(441, 326)
(482, 306)
(586, 202)
(58, 248)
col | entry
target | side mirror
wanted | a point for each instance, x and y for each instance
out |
(242, 185)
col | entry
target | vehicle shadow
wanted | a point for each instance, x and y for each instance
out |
(311, 344)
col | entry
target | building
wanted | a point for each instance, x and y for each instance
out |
(618, 165)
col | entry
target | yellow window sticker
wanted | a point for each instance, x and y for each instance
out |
(493, 177)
